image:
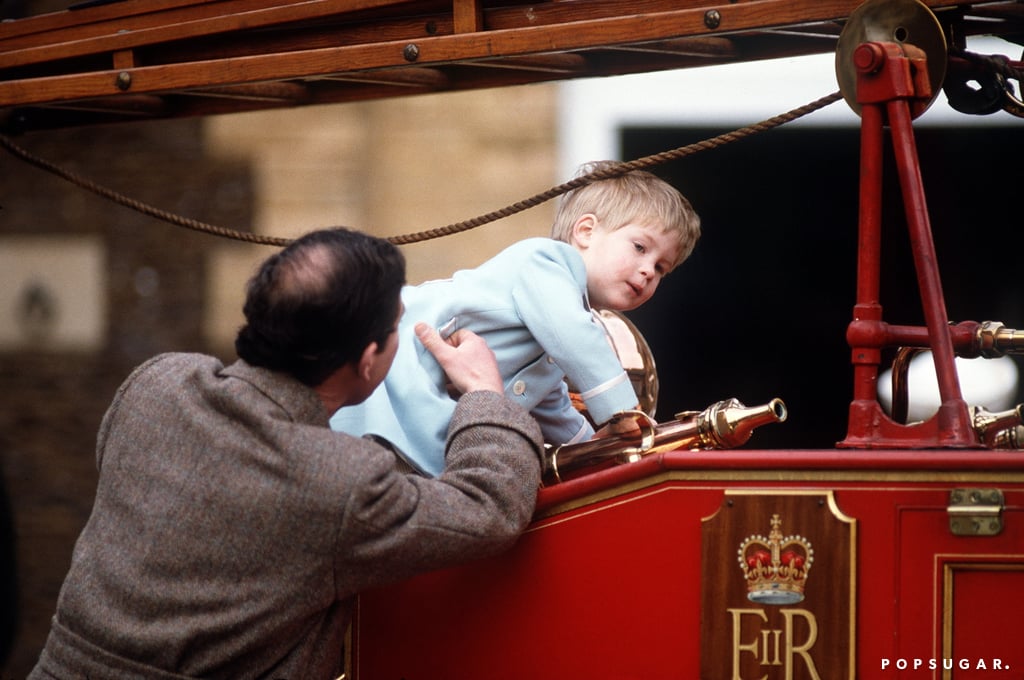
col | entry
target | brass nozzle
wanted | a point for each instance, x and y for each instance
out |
(724, 424)
(999, 430)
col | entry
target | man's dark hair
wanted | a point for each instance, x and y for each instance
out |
(316, 305)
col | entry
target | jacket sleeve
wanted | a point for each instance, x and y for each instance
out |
(396, 525)
(559, 420)
(550, 298)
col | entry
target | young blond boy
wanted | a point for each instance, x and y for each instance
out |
(612, 242)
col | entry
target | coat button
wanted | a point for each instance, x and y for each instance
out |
(518, 388)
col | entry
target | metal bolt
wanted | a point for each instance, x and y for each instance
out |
(712, 18)
(124, 80)
(411, 52)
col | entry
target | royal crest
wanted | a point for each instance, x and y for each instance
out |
(775, 568)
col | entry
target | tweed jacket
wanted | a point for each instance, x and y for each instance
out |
(529, 303)
(232, 528)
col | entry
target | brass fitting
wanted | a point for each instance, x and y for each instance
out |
(724, 424)
(996, 340)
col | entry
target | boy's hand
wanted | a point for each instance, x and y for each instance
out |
(465, 358)
(619, 426)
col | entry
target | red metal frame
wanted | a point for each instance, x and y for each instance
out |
(892, 88)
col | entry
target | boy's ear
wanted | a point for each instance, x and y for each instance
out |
(583, 229)
(367, 361)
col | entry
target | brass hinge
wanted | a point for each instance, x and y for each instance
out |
(975, 512)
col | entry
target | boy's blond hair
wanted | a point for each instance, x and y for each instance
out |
(636, 197)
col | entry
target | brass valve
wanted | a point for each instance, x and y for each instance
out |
(996, 340)
(999, 430)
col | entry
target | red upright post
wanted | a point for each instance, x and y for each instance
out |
(892, 83)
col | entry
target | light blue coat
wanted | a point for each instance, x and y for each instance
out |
(529, 303)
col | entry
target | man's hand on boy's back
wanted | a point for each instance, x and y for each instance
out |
(465, 357)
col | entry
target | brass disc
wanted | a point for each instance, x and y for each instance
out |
(635, 356)
(892, 21)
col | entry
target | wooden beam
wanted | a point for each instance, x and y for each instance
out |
(287, 92)
(712, 46)
(263, 53)
(430, 78)
(77, 18)
(177, 24)
(468, 16)
(124, 59)
(564, 63)
(428, 51)
(134, 105)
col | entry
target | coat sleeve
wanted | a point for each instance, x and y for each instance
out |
(559, 420)
(396, 525)
(550, 298)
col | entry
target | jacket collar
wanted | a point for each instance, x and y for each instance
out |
(300, 402)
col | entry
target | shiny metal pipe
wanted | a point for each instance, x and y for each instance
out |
(995, 340)
(998, 430)
(1010, 438)
(724, 424)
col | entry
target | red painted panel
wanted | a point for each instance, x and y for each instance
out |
(608, 583)
(987, 598)
(578, 597)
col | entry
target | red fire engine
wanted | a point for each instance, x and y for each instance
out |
(684, 552)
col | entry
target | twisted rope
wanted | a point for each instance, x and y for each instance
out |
(620, 169)
(134, 204)
(997, 63)
(458, 227)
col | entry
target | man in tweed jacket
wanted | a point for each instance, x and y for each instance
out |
(232, 528)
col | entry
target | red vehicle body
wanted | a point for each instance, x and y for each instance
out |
(632, 572)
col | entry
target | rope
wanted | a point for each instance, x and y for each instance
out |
(458, 227)
(998, 63)
(620, 169)
(136, 205)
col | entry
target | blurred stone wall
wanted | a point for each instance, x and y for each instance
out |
(390, 167)
(137, 288)
(91, 289)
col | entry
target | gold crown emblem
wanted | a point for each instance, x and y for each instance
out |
(775, 568)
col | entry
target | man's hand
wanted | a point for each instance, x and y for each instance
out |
(465, 358)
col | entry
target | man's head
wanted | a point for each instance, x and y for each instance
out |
(320, 302)
(638, 198)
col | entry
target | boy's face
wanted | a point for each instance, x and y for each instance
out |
(624, 265)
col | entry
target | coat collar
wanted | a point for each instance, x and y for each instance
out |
(300, 402)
